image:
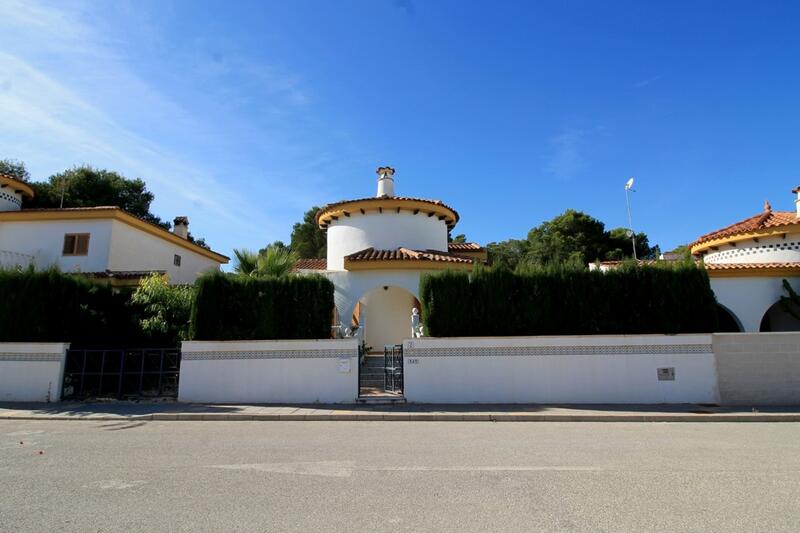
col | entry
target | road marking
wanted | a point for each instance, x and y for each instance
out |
(319, 468)
(115, 484)
(346, 468)
(484, 469)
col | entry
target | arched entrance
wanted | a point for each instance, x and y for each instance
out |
(777, 318)
(727, 321)
(384, 315)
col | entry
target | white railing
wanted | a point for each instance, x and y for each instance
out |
(10, 260)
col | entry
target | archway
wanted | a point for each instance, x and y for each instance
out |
(384, 314)
(777, 318)
(727, 321)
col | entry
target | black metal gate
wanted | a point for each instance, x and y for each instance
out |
(121, 373)
(393, 368)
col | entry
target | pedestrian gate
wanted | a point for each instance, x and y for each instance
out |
(393, 368)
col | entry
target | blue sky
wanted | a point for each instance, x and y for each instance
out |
(244, 114)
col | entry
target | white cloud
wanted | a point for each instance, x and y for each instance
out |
(566, 160)
(70, 95)
(644, 83)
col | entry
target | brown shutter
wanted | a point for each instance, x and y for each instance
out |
(69, 245)
(82, 244)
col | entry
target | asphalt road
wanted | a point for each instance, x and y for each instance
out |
(398, 476)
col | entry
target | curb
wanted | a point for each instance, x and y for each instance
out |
(420, 417)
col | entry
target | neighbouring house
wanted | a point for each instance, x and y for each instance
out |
(747, 263)
(377, 250)
(100, 242)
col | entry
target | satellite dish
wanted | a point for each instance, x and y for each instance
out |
(629, 184)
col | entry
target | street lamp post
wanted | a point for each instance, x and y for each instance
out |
(628, 188)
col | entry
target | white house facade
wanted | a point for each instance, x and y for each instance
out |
(100, 242)
(747, 263)
(378, 248)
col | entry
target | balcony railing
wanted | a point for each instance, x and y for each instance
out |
(10, 260)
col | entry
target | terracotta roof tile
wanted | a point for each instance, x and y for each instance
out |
(405, 254)
(311, 264)
(464, 247)
(751, 266)
(334, 205)
(765, 220)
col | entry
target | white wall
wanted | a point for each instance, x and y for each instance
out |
(387, 316)
(132, 249)
(383, 231)
(580, 369)
(749, 298)
(44, 240)
(303, 371)
(31, 372)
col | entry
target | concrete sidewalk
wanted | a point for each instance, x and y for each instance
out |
(417, 412)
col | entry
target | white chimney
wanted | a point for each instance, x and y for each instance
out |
(385, 182)
(796, 190)
(181, 227)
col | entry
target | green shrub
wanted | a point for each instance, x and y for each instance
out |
(567, 301)
(231, 307)
(163, 309)
(50, 306)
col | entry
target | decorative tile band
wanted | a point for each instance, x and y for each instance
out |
(7, 356)
(268, 354)
(528, 351)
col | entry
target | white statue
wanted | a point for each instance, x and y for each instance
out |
(415, 325)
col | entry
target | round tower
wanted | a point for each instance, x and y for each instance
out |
(13, 192)
(385, 224)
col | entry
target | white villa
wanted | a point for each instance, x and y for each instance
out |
(377, 250)
(100, 242)
(747, 263)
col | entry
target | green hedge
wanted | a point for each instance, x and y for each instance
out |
(560, 301)
(50, 306)
(231, 307)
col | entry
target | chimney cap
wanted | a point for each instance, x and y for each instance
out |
(181, 221)
(384, 171)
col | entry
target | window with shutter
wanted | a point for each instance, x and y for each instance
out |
(69, 245)
(82, 245)
(76, 244)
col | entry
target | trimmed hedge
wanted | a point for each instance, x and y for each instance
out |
(50, 306)
(231, 307)
(560, 301)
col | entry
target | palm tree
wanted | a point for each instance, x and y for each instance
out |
(246, 262)
(273, 261)
(276, 262)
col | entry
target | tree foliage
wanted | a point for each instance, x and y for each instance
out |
(86, 186)
(571, 238)
(308, 241)
(15, 169)
(164, 309)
